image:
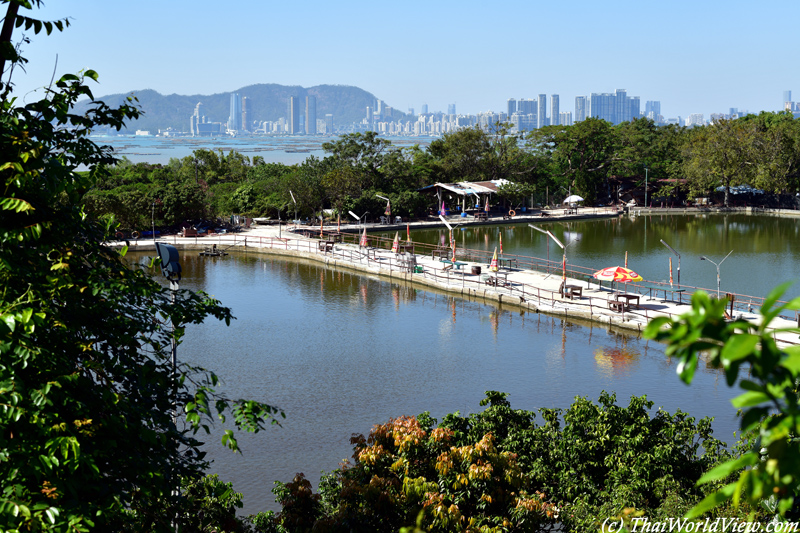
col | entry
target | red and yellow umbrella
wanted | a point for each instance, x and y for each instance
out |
(493, 264)
(396, 243)
(617, 273)
(363, 241)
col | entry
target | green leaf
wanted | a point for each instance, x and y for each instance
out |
(711, 501)
(727, 468)
(749, 399)
(738, 347)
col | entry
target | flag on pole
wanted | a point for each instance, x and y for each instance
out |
(363, 241)
(626, 258)
(388, 210)
(493, 264)
(670, 272)
(396, 243)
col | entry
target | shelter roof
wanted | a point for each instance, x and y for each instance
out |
(467, 188)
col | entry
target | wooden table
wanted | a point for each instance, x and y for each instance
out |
(628, 299)
(507, 262)
(666, 289)
(614, 305)
(402, 248)
(457, 264)
(571, 211)
(573, 291)
(494, 279)
(482, 216)
(325, 246)
(441, 252)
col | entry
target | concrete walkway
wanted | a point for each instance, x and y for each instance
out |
(526, 289)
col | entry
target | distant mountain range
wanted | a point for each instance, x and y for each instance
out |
(268, 101)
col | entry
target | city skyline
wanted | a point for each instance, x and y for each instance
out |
(694, 58)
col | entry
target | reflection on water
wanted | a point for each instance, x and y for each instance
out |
(340, 352)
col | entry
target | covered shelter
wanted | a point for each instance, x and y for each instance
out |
(481, 191)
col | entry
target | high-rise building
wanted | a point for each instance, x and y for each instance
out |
(602, 106)
(311, 115)
(565, 118)
(580, 108)
(451, 109)
(411, 111)
(294, 115)
(197, 119)
(526, 107)
(235, 116)
(329, 123)
(787, 97)
(695, 119)
(635, 106)
(245, 111)
(554, 113)
(652, 106)
(542, 119)
(512, 107)
(424, 109)
(622, 111)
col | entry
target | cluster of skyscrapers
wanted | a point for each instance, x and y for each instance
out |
(522, 115)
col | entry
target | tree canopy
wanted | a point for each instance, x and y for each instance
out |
(95, 423)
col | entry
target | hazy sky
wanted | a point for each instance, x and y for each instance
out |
(694, 56)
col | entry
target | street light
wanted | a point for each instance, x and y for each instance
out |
(563, 247)
(704, 258)
(645, 185)
(679, 260)
(364, 216)
(388, 211)
(295, 208)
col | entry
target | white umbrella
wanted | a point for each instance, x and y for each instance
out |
(573, 199)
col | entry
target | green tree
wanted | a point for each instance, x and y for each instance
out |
(721, 154)
(87, 389)
(767, 474)
(583, 154)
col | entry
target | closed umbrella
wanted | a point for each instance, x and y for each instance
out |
(670, 272)
(501, 244)
(363, 242)
(396, 243)
(493, 264)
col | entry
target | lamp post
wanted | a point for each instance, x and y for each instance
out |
(704, 258)
(364, 216)
(388, 211)
(295, 208)
(153, 221)
(563, 247)
(171, 268)
(679, 260)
